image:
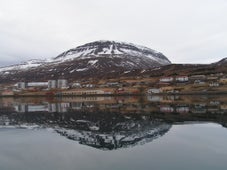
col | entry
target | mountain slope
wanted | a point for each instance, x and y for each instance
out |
(100, 58)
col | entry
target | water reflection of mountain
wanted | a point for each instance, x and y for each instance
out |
(122, 134)
(111, 123)
(105, 131)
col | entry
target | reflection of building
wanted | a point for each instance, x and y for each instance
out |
(166, 109)
(52, 107)
(199, 108)
(153, 98)
(77, 106)
(58, 107)
(224, 107)
(23, 108)
(182, 109)
(45, 107)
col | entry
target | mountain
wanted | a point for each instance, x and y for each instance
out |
(125, 55)
(221, 62)
(99, 58)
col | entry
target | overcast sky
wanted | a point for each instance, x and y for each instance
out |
(186, 31)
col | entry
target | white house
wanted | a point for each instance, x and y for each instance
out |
(166, 79)
(154, 90)
(182, 78)
(214, 84)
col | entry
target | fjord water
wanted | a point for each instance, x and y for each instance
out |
(150, 132)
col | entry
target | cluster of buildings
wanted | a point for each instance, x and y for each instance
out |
(195, 79)
(136, 85)
(51, 84)
(166, 84)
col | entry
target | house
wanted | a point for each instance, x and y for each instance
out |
(166, 79)
(82, 92)
(182, 78)
(113, 84)
(199, 82)
(89, 85)
(154, 90)
(198, 77)
(7, 93)
(167, 89)
(76, 85)
(62, 84)
(223, 81)
(223, 107)
(212, 78)
(21, 85)
(37, 85)
(214, 84)
(52, 84)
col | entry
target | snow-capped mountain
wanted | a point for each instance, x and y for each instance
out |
(112, 49)
(23, 66)
(100, 58)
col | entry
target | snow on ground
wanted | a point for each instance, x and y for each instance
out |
(71, 71)
(82, 69)
(23, 66)
(92, 62)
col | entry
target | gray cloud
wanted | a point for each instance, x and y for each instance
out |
(185, 31)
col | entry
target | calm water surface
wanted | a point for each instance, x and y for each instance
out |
(153, 132)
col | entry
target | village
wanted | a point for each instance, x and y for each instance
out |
(184, 84)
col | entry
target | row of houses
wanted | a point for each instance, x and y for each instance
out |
(81, 92)
(171, 79)
(193, 78)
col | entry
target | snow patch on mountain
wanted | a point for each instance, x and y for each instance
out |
(23, 66)
(82, 69)
(92, 62)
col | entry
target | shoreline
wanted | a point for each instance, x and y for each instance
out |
(124, 94)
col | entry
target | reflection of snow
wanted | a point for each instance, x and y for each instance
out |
(167, 109)
(125, 134)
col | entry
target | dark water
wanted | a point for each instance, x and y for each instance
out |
(94, 133)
